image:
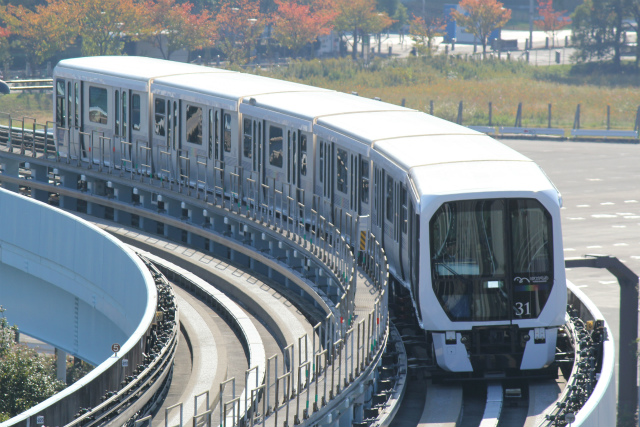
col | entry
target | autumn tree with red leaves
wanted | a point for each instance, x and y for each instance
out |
(360, 18)
(552, 21)
(239, 24)
(40, 33)
(423, 32)
(296, 25)
(480, 18)
(173, 27)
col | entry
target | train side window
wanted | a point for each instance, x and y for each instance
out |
(248, 139)
(135, 112)
(303, 155)
(343, 173)
(116, 99)
(69, 101)
(275, 146)
(194, 125)
(389, 199)
(321, 166)
(404, 207)
(98, 105)
(289, 156)
(124, 114)
(160, 120)
(61, 115)
(211, 134)
(227, 133)
(364, 184)
(77, 92)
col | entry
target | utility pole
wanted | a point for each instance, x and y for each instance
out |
(530, 24)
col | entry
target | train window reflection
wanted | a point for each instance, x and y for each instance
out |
(303, 155)
(486, 256)
(98, 105)
(275, 146)
(135, 112)
(248, 143)
(160, 117)
(61, 115)
(194, 125)
(227, 133)
(342, 171)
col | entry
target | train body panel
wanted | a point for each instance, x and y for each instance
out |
(470, 227)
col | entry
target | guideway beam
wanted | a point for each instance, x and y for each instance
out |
(628, 372)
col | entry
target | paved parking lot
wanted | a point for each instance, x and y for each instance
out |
(600, 185)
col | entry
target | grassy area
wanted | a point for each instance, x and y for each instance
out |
(34, 105)
(446, 81)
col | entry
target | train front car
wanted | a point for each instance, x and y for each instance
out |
(494, 293)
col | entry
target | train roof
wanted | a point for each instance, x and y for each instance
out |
(133, 67)
(232, 86)
(310, 106)
(376, 126)
(429, 150)
(484, 177)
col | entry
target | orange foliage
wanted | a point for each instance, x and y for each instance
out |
(552, 21)
(299, 24)
(172, 26)
(239, 24)
(481, 17)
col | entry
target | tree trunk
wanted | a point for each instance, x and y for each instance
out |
(354, 50)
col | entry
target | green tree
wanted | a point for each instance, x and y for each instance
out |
(360, 18)
(597, 30)
(481, 17)
(105, 24)
(26, 378)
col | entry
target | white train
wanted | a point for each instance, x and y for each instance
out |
(471, 228)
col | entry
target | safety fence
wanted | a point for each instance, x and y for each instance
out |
(349, 339)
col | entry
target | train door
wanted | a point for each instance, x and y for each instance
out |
(364, 207)
(214, 149)
(305, 179)
(99, 115)
(159, 137)
(68, 95)
(414, 251)
(326, 179)
(114, 150)
(403, 229)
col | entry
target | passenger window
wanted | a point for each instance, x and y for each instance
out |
(227, 133)
(61, 110)
(342, 171)
(135, 112)
(247, 139)
(160, 124)
(389, 199)
(405, 211)
(98, 105)
(321, 168)
(194, 125)
(303, 155)
(124, 114)
(77, 92)
(364, 185)
(117, 121)
(275, 146)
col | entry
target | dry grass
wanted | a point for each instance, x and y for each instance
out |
(447, 82)
(34, 105)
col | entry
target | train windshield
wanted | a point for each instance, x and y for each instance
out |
(491, 259)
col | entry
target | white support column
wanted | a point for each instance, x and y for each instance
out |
(61, 365)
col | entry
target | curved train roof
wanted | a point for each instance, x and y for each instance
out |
(134, 67)
(230, 85)
(440, 156)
